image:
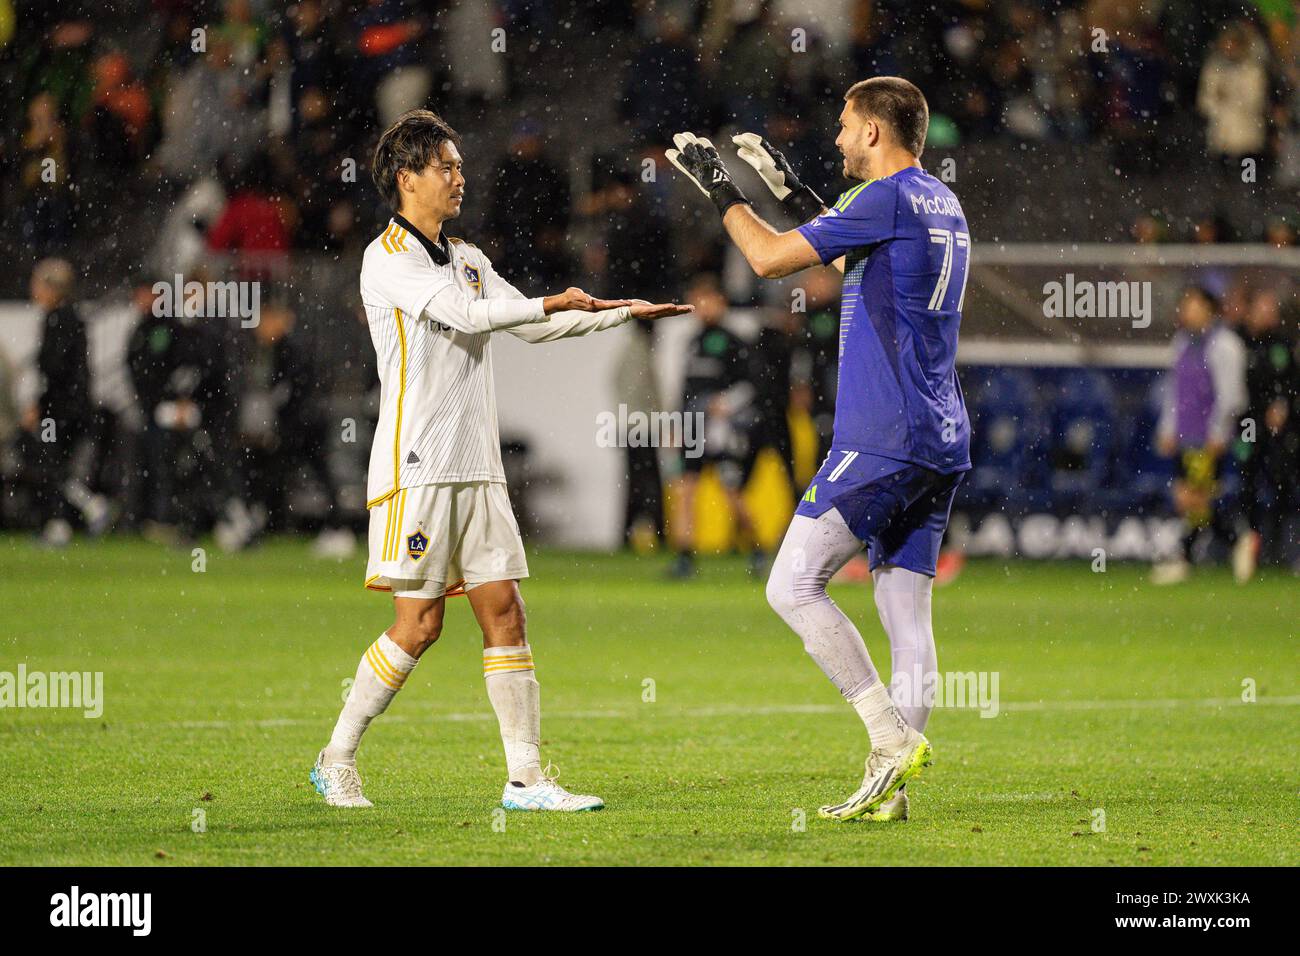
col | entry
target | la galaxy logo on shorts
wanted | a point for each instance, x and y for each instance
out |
(472, 277)
(416, 545)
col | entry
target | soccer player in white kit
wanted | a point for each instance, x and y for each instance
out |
(440, 519)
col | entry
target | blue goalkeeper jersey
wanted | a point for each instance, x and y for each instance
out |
(907, 250)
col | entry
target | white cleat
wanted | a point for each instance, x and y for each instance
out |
(338, 783)
(1170, 572)
(893, 809)
(1245, 557)
(546, 794)
(887, 772)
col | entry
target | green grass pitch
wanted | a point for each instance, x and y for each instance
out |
(220, 687)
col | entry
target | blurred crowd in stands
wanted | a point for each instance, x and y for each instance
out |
(245, 114)
(220, 138)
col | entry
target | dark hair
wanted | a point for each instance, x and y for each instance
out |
(1210, 299)
(896, 103)
(412, 142)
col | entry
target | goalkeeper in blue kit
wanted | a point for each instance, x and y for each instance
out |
(902, 437)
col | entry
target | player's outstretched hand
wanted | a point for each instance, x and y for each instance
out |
(574, 299)
(641, 309)
(778, 175)
(699, 161)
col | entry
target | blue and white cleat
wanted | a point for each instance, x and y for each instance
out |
(338, 783)
(546, 794)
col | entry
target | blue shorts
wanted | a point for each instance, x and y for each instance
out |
(900, 510)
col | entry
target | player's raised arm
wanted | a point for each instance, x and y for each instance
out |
(573, 312)
(779, 176)
(799, 200)
(449, 306)
(413, 287)
(770, 254)
(570, 324)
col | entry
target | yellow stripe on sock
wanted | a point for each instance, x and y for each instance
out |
(498, 664)
(379, 652)
(508, 670)
(525, 656)
(383, 670)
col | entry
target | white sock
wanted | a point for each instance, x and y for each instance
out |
(516, 697)
(380, 675)
(903, 599)
(885, 725)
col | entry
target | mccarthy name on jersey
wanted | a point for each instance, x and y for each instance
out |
(432, 308)
(906, 247)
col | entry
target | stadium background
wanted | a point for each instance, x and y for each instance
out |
(1067, 157)
(1134, 725)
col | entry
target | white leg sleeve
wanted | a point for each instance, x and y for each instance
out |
(903, 599)
(813, 550)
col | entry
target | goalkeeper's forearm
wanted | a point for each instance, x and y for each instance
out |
(770, 254)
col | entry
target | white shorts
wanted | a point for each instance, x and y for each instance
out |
(432, 540)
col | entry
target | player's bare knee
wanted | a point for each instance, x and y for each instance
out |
(416, 633)
(506, 623)
(428, 626)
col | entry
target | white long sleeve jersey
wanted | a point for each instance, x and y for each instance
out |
(432, 309)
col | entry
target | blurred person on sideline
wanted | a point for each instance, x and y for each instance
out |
(283, 427)
(716, 390)
(1198, 420)
(1270, 459)
(61, 414)
(166, 370)
(765, 421)
(636, 386)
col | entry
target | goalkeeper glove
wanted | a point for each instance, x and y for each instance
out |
(779, 176)
(699, 160)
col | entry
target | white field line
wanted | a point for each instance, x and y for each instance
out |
(1165, 703)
